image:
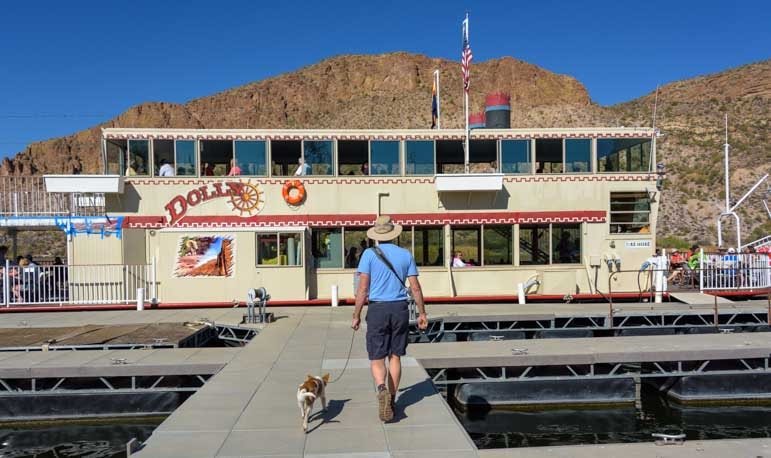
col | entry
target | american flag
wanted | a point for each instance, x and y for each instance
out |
(465, 56)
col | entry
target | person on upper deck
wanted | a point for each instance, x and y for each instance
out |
(166, 170)
(302, 168)
(235, 170)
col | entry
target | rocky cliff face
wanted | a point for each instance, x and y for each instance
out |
(393, 91)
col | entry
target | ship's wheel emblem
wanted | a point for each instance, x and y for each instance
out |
(248, 200)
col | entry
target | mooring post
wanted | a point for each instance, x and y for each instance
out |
(717, 320)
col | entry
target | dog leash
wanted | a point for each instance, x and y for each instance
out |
(348, 358)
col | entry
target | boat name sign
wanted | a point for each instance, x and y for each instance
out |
(245, 197)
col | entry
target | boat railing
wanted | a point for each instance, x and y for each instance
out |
(734, 271)
(77, 284)
(761, 242)
(26, 196)
(730, 272)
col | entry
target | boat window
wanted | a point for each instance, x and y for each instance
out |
(216, 157)
(327, 248)
(498, 242)
(355, 242)
(352, 157)
(548, 155)
(429, 246)
(566, 243)
(419, 157)
(467, 241)
(115, 152)
(515, 156)
(405, 239)
(449, 156)
(284, 158)
(279, 249)
(163, 154)
(534, 244)
(185, 154)
(384, 155)
(624, 154)
(250, 159)
(578, 153)
(318, 155)
(630, 212)
(139, 157)
(483, 156)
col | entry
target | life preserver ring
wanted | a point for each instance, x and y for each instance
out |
(298, 197)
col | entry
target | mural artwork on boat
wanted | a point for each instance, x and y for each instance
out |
(205, 256)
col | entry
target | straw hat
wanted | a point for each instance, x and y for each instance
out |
(384, 229)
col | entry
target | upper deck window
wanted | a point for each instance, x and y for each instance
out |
(216, 157)
(353, 157)
(384, 157)
(318, 155)
(163, 157)
(116, 152)
(184, 153)
(623, 154)
(250, 159)
(515, 156)
(449, 156)
(578, 154)
(548, 155)
(138, 157)
(285, 156)
(483, 156)
(419, 157)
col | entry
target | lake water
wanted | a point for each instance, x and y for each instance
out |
(97, 439)
(500, 428)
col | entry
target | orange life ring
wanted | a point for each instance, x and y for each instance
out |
(286, 192)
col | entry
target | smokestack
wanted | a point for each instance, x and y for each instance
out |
(498, 111)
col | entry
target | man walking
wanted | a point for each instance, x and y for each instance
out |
(382, 270)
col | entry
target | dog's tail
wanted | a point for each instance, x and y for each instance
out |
(307, 394)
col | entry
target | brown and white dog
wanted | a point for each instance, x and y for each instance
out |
(312, 388)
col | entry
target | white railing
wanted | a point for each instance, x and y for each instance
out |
(739, 271)
(26, 196)
(77, 285)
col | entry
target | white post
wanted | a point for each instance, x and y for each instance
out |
(154, 284)
(701, 270)
(658, 276)
(6, 285)
(520, 294)
(140, 299)
(335, 298)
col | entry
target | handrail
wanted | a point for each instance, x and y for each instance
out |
(26, 196)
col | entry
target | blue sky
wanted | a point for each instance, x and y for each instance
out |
(65, 66)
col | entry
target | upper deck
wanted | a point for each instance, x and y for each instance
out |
(360, 153)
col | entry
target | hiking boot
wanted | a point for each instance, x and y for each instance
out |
(385, 409)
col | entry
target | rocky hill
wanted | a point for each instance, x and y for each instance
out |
(393, 91)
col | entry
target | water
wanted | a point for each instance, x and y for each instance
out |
(499, 428)
(96, 439)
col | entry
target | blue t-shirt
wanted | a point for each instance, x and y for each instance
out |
(383, 285)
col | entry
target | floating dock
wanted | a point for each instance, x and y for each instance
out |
(248, 408)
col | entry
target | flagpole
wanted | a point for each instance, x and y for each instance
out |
(438, 104)
(465, 98)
